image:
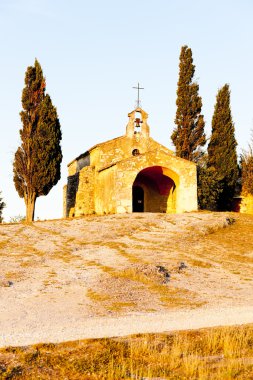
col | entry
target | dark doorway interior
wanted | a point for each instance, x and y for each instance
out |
(138, 199)
(158, 188)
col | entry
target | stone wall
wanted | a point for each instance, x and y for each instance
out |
(72, 168)
(246, 205)
(105, 191)
(120, 149)
(65, 201)
(85, 200)
(72, 187)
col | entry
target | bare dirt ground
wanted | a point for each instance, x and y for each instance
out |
(120, 274)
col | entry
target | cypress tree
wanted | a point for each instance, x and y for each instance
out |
(189, 134)
(247, 171)
(2, 206)
(208, 188)
(37, 160)
(222, 157)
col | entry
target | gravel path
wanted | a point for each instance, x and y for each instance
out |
(59, 328)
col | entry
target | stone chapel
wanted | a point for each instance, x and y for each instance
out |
(131, 173)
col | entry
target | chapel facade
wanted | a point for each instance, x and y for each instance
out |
(131, 173)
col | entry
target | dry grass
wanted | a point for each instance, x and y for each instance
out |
(122, 306)
(4, 243)
(121, 249)
(95, 296)
(149, 283)
(168, 295)
(27, 263)
(200, 263)
(14, 275)
(209, 354)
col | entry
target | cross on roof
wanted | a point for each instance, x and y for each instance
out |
(138, 88)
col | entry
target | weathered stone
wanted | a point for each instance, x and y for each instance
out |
(130, 173)
(5, 283)
(182, 265)
(120, 210)
(246, 205)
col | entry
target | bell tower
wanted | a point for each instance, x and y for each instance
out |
(137, 126)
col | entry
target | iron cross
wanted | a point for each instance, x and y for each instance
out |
(138, 88)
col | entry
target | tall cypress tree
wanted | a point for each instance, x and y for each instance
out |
(2, 206)
(208, 186)
(37, 160)
(222, 157)
(247, 171)
(189, 134)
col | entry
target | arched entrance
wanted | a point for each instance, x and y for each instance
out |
(138, 199)
(154, 191)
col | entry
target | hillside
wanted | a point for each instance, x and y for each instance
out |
(60, 277)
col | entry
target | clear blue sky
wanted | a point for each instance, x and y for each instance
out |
(93, 52)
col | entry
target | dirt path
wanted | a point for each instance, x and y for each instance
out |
(58, 328)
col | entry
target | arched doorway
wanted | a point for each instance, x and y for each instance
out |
(154, 191)
(138, 199)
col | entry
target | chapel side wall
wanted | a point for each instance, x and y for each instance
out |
(105, 191)
(71, 191)
(64, 201)
(85, 204)
(72, 168)
(246, 206)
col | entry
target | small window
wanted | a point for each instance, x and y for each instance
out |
(135, 152)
